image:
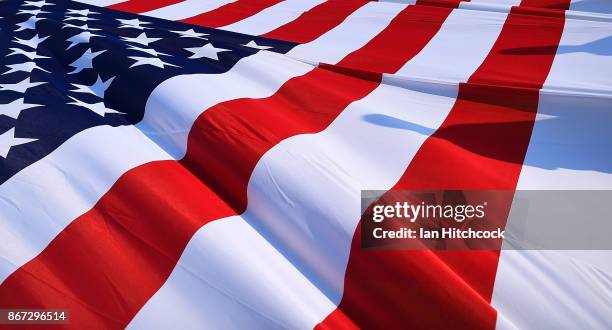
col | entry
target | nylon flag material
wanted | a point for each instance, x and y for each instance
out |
(198, 164)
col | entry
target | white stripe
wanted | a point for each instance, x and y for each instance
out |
(231, 278)
(583, 61)
(457, 50)
(592, 6)
(304, 200)
(356, 30)
(100, 3)
(272, 17)
(567, 290)
(40, 201)
(186, 9)
(569, 149)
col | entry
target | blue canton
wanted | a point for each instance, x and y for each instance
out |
(66, 67)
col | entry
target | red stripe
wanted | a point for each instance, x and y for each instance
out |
(480, 145)
(550, 4)
(316, 21)
(110, 260)
(230, 13)
(142, 6)
(409, 32)
(130, 241)
(336, 320)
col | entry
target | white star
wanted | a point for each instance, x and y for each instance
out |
(29, 24)
(99, 108)
(25, 67)
(154, 61)
(132, 23)
(98, 88)
(82, 27)
(147, 50)
(208, 51)
(141, 39)
(85, 61)
(33, 12)
(253, 44)
(14, 108)
(80, 18)
(8, 140)
(20, 87)
(83, 12)
(38, 4)
(190, 34)
(31, 55)
(81, 38)
(32, 43)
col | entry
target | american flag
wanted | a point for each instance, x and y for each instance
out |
(197, 164)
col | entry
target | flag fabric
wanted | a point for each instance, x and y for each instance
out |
(198, 163)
